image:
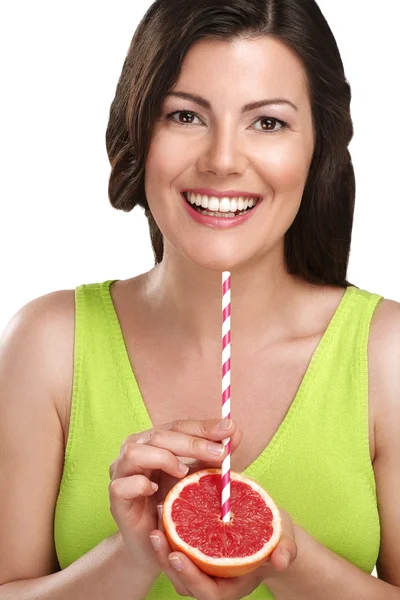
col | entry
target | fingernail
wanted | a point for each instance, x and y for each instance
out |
(159, 510)
(216, 449)
(156, 542)
(154, 486)
(176, 563)
(144, 438)
(286, 558)
(225, 424)
(182, 467)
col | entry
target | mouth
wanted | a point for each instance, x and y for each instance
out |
(227, 208)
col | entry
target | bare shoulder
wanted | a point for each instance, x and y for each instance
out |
(385, 316)
(39, 316)
(384, 389)
(43, 331)
(36, 352)
(384, 371)
(384, 360)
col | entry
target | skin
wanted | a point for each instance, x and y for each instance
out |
(223, 149)
(179, 301)
(226, 150)
(152, 456)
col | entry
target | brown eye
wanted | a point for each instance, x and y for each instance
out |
(185, 117)
(182, 117)
(269, 124)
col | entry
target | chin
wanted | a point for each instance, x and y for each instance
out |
(219, 263)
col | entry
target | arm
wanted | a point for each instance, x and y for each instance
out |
(36, 363)
(104, 573)
(319, 573)
(315, 572)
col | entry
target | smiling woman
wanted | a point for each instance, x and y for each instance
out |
(282, 118)
(224, 142)
(230, 128)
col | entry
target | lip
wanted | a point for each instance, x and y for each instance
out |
(219, 222)
(219, 194)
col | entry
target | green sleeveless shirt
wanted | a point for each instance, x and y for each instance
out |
(317, 465)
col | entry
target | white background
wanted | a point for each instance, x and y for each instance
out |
(61, 63)
(60, 66)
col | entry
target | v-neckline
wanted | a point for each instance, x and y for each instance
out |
(133, 389)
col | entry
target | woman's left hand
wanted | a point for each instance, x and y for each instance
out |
(191, 581)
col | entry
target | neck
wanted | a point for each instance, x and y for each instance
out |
(188, 296)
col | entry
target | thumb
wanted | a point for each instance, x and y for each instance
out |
(286, 550)
(284, 554)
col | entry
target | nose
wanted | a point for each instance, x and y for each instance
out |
(221, 154)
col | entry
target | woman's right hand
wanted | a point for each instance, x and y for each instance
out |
(162, 455)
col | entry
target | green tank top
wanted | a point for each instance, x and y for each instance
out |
(317, 465)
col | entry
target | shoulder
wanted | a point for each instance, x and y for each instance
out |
(384, 339)
(384, 389)
(36, 350)
(39, 338)
(43, 320)
(384, 371)
(386, 318)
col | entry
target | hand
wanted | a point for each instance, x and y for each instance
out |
(191, 581)
(153, 456)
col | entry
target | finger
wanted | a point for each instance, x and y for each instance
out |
(230, 588)
(210, 429)
(139, 458)
(123, 491)
(235, 588)
(185, 445)
(163, 550)
(283, 555)
(200, 585)
(286, 550)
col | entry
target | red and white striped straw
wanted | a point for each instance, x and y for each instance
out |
(226, 394)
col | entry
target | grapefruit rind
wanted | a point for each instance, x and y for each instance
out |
(215, 566)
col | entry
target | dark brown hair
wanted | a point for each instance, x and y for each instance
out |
(317, 245)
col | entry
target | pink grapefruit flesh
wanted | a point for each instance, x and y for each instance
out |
(193, 525)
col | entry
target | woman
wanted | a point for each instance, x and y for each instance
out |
(115, 386)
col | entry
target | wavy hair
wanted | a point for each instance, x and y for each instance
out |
(317, 244)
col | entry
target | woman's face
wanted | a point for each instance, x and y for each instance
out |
(216, 144)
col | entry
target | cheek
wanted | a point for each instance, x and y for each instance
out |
(285, 165)
(156, 164)
(166, 158)
(164, 165)
(162, 169)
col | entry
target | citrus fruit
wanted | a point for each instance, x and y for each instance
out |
(193, 525)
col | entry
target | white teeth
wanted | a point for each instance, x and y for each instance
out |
(224, 205)
(228, 215)
(213, 204)
(221, 205)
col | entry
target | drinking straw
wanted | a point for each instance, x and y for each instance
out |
(226, 393)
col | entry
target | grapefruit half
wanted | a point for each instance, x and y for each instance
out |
(192, 523)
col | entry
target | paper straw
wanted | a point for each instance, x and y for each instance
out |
(226, 394)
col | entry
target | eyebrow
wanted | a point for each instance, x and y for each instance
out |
(250, 106)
